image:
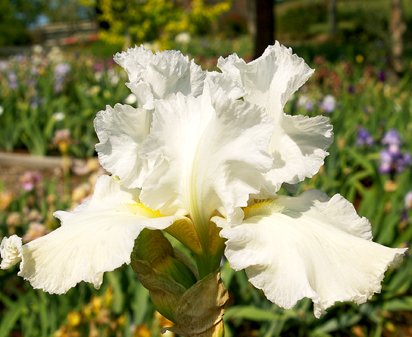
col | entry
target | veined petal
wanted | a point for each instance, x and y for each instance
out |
(121, 131)
(160, 74)
(96, 237)
(213, 155)
(298, 148)
(308, 246)
(298, 144)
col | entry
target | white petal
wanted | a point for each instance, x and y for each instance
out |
(298, 148)
(10, 251)
(159, 75)
(308, 246)
(271, 79)
(121, 131)
(95, 238)
(222, 86)
(213, 155)
(298, 144)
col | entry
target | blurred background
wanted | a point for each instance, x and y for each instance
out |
(56, 72)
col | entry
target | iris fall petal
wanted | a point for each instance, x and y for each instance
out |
(96, 237)
(308, 246)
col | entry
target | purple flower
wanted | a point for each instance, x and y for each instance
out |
(391, 137)
(382, 76)
(386, 162)
(364, 138)
(328, 104)
(60, 72)
(305, 102)
(12, 78)
(403, 161)
(62, 69)
(29, 180)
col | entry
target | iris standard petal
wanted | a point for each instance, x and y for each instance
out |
(308, 246)
(95, 238)
(121, 131)
(298, 144)
(159, 75)
(213, 155)
(298, 148)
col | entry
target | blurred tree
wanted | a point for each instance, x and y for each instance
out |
(136, 21)
(332, 17)
(67, 10)
(397, 28)
(16, 16)
(265, 25)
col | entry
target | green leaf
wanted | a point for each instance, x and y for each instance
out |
(251, 313)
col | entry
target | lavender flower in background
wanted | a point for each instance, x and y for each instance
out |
(12, 79)
(34, 102)
(386, 162)
(393, 160)
(29, 180)
(60, 72)
(328, 103)
(305, 102)
(404, 160)
(392, 140)
(364, 138)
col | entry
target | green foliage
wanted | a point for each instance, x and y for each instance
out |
(131, 22)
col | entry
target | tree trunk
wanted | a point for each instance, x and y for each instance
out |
(332, 17)
(265, 25)
(397, 28)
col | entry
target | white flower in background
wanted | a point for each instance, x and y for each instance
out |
(37, 49)
(59, 116)
(113, 77)
(183, 38)
(131, 99)
(204, 147)
(328, 103)
(1, 110)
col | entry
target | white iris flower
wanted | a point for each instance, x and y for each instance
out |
(214, 148)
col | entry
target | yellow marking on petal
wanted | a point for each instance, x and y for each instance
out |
(264, 207)
(141, 209)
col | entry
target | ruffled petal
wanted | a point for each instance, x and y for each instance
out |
(121, 132)
(271, 79)
(298, 144)
(95, 238)
(222, 86)
(299, 149)
(213, 155)
(10, 251)
(308, 246)
(159, 75)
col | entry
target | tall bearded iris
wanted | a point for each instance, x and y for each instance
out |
(202, 156)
